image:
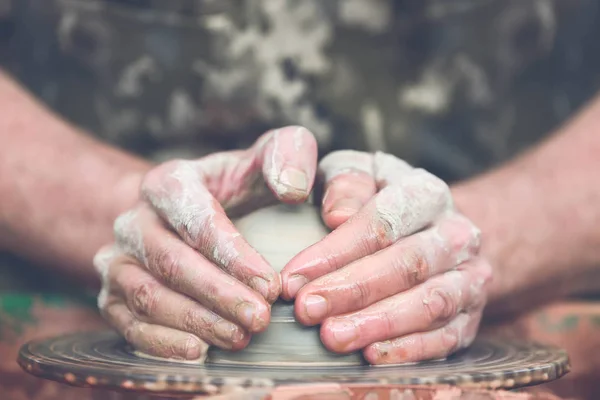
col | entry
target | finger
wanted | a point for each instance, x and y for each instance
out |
(423, 308)
(432, 345)
(186, 271)
(179, 197)
(288, 157)
(349, 184)
(402, 266)
(177, 194)
(155, 304)
(223, 246)
(152, 339)
(395, 212)
(352, 178)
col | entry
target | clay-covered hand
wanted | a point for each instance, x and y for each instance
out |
(179, 277)
(400, 276)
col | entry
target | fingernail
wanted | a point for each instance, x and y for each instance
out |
(316, 307)
(346, 206)
(343, 332)
(294, 179)
(295, 283)
(261, 286)
(246, 313)
(383, 349)
(194, 348)
(227, 332)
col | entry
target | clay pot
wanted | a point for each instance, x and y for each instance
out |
(278, 233)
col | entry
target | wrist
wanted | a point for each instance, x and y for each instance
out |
(126, 189)
(519, 236)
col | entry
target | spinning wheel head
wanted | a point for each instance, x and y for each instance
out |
(286, 353)
(104, 360)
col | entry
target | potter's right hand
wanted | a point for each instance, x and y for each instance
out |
(179, 277)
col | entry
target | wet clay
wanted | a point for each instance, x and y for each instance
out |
(279, 233)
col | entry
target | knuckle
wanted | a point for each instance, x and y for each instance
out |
(419, 349)
(462, 236)
(388, 326)
(466, 234)
(192, 322)
(450, 338)
(385, 228)
(410, 268)
(439, 306)
(333, 263)
(145, 298)
(361, 293)
(365, 245)
(166, 264)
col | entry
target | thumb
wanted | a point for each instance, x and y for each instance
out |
(288, 159)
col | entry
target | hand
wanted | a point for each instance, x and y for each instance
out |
(400, 276)
(179, 276)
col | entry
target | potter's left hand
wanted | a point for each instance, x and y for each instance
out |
(400, 276)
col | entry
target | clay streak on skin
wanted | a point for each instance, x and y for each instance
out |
(276, 166)
(403, 213)
(460, 325)
(224, 251)
(131, 235)
(469, 248)
(235, 176)
(388, 169)
(346, 162)
(408, 200)
(466, 252)
(101, 263)
(298, 138)
(192, 211)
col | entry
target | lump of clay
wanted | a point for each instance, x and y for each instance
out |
(278, 233)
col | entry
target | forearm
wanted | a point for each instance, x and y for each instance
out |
(540, 215)
(59, 189)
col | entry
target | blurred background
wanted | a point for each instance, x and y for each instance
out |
(454, 86)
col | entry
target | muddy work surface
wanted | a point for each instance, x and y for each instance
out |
(103, 360)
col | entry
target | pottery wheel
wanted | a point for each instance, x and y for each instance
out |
(286, 353)
(104, 360)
